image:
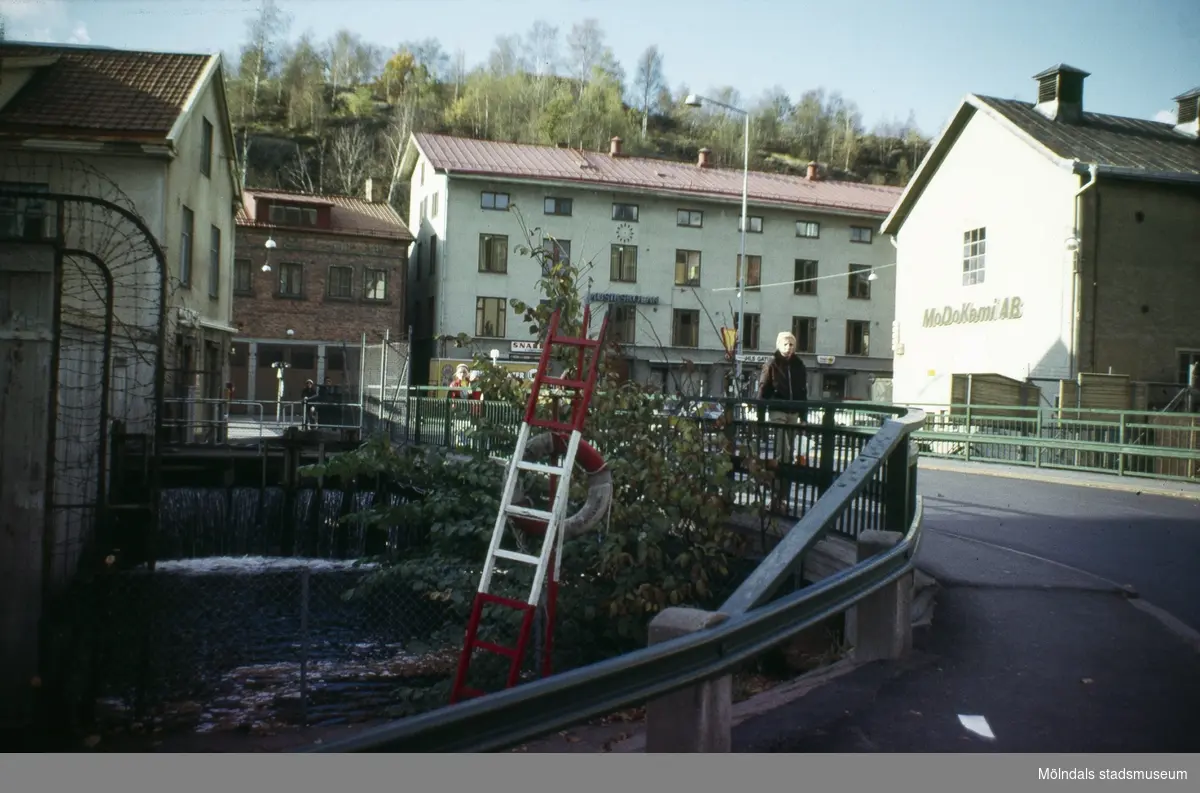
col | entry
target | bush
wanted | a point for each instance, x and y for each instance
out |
(665, 542)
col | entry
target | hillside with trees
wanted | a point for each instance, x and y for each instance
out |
(323, 115)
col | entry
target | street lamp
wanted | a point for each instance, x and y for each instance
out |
(695, 100)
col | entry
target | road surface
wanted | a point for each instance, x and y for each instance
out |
(1034, 646)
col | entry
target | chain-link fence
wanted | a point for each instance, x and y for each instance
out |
(262, 643)
(385, 376)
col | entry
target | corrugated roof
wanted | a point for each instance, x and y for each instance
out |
(349, 215)
(101, 91)
(524, 161)
(1113, 141)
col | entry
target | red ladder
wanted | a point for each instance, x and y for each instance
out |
(548, 561)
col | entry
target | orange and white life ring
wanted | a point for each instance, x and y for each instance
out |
(599, 483)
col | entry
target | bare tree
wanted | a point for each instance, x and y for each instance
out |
(351, 152)
(649, 82)
(299, 172)
(585, 48)
(267, 29)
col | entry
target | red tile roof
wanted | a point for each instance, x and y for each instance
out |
(350, 215)
(522, 161)
(99, 91)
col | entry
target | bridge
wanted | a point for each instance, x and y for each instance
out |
(1005, 516)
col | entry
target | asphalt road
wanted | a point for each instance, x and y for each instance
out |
(1032, 641)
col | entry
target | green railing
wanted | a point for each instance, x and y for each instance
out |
(1124, 443)
(1159, 445)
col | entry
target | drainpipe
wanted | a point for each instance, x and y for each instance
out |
(1076, 276)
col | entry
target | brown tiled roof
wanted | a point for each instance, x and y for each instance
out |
(1112, 141)
(349, 215)
(99, 91)
(523, 161)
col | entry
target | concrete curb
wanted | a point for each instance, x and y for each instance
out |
(1183, 490)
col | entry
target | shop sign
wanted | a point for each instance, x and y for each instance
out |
(613, 297)
(969, 314)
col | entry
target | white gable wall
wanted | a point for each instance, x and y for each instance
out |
(994, 180)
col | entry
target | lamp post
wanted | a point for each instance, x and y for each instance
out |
(695, 100)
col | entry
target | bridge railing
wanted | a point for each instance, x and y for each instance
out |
(751, 621)
(1159, 445)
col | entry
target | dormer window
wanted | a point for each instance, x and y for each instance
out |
(284, 215)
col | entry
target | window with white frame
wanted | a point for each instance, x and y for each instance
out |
(808, 228)
(974, 253)
(374, 284)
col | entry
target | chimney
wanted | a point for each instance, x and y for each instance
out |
(614, 146)
(812, 174)
(1060, 93)
(1187, 112)
(703, 163)
(372, 191)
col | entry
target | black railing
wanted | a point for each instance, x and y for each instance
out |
(882, 469)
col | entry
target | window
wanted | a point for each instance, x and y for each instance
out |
(291, 280)
(335, 360)
(493, 253)
(214, 262)
(23, 218)
(805, 277)
(806, 228)
(490, 317)
(557, 251)
(753, 272)
(1186, 359)
(433, 246)
(751, 338)
(805, 331)
(422, 173)
(282, 215)
(340, 282)
(685, 328)
(858, 337)
(420, 260)
(496, 201)
(625, 212)
(860, 234)
(754, 222)
(624, 264)
(689, 217)
(433, 205)
(623, 324)
(559, 206)
(687, 268)
(243, 283)
(860, 286)
(206, 148)
(185, 247)
(374, 284)
(974, 250)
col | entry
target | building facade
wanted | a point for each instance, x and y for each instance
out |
(658, 245)
(335, 269)
(1040, 241)
(150, 131)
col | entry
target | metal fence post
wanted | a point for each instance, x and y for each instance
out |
(304, 582)
(1121, 441)
(1037, 450)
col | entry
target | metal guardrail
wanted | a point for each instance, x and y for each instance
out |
(756, 623)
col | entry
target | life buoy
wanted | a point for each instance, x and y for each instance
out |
(599, 482)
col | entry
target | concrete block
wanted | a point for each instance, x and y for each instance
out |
(882, 621)
(694, 719)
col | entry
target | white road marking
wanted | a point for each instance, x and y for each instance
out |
(977, 725)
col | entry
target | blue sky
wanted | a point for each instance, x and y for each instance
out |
(889, 56)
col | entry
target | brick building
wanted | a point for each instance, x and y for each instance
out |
(337, 269)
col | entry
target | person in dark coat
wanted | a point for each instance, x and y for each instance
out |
(785, 377)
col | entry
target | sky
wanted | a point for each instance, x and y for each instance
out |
(891, 57)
